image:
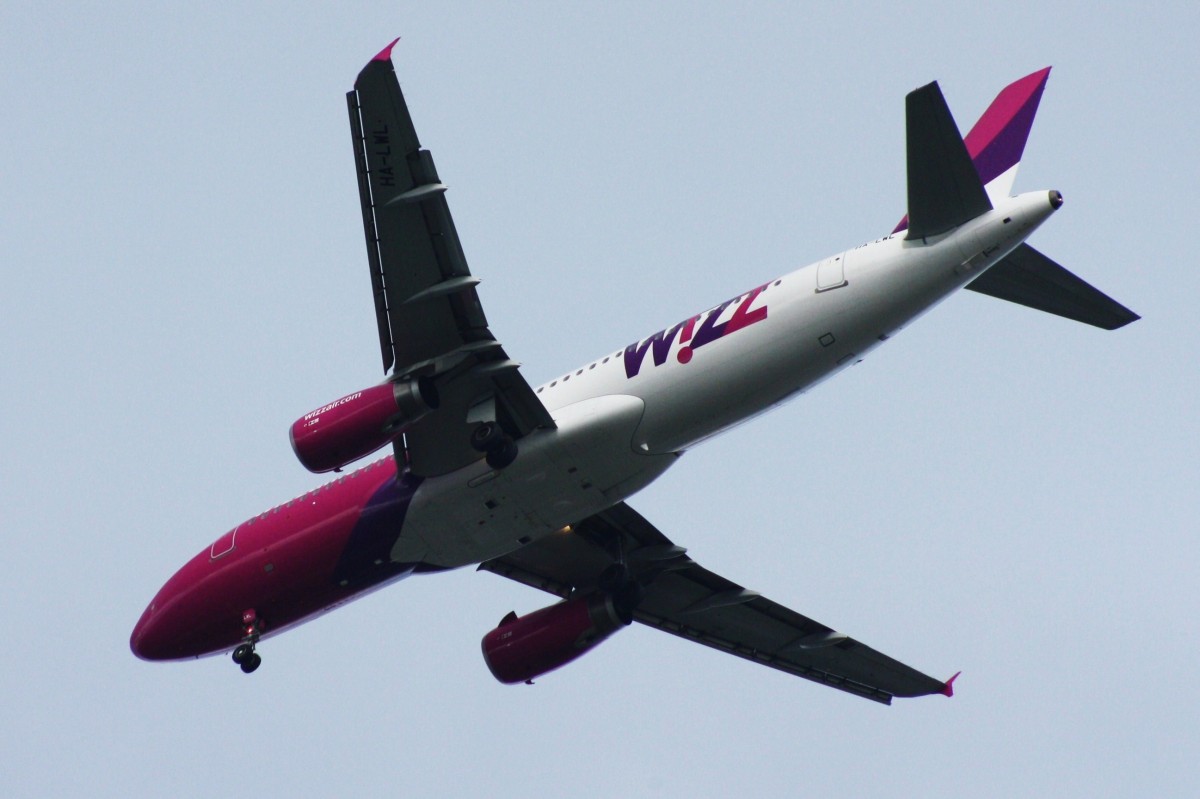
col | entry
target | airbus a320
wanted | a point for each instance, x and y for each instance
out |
(531, 483)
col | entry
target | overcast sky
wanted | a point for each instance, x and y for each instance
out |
(995, 490)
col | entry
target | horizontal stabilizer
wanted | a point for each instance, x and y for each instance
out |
(1031, 279)
(944, 190)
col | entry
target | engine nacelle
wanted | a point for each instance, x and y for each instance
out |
(360, 423)
(527, 647)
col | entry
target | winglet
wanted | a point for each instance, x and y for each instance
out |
(386, 53)
(948, 688)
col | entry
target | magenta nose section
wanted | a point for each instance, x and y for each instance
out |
(162, 631)
(149, 641)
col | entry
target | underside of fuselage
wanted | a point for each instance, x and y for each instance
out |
(374, 526)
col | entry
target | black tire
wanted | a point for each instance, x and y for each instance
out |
(485, 435)
(502, 453)
(251, 663)
(241, 653)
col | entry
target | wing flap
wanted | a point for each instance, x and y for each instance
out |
(687, 600)
(412, 243)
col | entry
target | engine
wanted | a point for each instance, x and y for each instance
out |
(360, 423)
(527, 647)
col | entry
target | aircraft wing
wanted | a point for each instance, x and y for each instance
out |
(429, 318)
(685, 599)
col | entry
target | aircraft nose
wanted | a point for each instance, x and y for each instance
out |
(189, 616)
(148, 640)
(162, 631)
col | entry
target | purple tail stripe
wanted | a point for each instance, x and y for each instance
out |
(998, 138)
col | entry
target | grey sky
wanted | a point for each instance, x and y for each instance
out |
(996, 490)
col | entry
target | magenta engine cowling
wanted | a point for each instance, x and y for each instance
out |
(359, 423)
(527, 647)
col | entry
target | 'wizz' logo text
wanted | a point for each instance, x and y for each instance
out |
(694, 333)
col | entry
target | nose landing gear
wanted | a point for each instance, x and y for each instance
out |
(244, 655)
(247, 658)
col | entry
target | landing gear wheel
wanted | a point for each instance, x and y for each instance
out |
(490, 438)
(485, 436)
(501, 453)
(244, 654)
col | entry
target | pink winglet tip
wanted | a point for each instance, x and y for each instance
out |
(386, 53)
(948, 688)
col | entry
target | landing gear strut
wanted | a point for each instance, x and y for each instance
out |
(617, 582)
(244, 655)
(500, 449)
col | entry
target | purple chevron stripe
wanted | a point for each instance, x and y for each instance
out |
(998, 138)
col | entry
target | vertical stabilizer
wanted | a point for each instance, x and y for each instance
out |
(944, 190)
(997, 141)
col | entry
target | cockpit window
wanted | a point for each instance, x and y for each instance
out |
(223, 545)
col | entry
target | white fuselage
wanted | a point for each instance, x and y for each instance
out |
(624, 418)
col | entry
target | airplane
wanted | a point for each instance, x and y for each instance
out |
(531, 483)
